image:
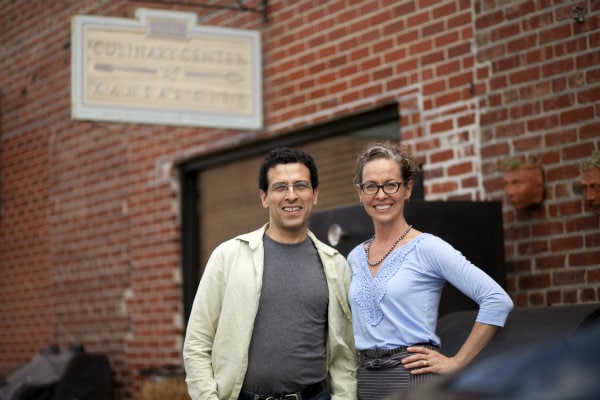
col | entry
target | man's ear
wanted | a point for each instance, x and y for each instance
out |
(263, 198)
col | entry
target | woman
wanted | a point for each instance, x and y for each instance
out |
(397, 280)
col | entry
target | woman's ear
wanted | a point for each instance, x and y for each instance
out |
(409, 187)
(358, 192)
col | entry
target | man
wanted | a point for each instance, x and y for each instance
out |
(271, 319)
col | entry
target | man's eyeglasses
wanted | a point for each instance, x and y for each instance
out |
(299, 187)
(388, 187)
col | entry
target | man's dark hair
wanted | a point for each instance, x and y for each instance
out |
(286, 155)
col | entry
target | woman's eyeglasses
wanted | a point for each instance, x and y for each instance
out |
(388, 187)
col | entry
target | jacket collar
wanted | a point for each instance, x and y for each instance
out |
(255, 239)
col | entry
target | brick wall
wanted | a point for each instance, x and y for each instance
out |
(89, 223)
(26, 290)
(540, 94)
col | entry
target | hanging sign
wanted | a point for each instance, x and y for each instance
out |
(161, 68)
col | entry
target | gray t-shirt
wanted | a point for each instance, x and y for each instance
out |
(288, 352)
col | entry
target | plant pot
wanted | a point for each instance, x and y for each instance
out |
(590, 184)
(524, 186)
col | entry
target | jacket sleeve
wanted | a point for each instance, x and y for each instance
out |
(201, 328)
(343, 356)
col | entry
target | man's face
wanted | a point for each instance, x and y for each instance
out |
(290, 199)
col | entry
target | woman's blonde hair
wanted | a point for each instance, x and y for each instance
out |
(409, 168)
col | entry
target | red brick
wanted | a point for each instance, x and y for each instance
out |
(568, 278)
(589, 295)
(537, 299)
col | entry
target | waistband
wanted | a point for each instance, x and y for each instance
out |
(383, 353)
(305, 394)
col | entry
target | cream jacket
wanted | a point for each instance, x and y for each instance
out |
(219, 330)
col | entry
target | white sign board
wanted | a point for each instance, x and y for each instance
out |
(163, 69)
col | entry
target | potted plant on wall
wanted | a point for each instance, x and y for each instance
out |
(523, 181)
(590, 181)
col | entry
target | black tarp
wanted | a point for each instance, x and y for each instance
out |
(73, 374)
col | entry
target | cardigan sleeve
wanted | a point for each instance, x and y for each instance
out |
(494, 303)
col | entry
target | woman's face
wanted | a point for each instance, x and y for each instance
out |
(384, 207)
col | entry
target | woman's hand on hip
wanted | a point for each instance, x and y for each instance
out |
(424, 360)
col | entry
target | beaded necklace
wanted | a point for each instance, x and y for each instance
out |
(389, 251)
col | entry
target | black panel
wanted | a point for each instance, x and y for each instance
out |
(190, 233)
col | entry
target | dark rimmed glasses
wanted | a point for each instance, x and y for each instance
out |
(388, 187)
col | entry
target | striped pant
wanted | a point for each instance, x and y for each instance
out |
(381, 374)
